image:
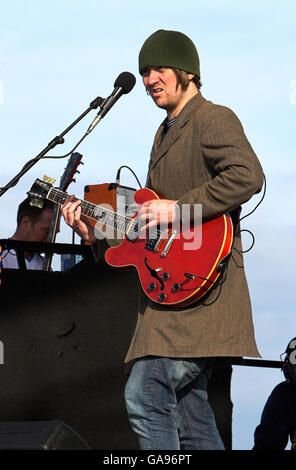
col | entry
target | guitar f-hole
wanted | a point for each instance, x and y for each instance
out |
(154, 274)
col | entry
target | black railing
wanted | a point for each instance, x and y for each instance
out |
(58, 248)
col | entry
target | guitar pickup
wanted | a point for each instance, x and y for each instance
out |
(152, 244)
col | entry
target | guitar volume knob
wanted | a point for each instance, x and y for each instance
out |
(165, 276)
(176, 287)
(151, 286)
(162, 297)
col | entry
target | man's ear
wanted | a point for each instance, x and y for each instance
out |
(190, 76)
(25, 222)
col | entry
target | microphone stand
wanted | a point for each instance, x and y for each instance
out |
(56, 141)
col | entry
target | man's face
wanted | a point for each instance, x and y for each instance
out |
(161, 83)
(38, 231)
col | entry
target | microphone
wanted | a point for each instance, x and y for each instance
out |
(123, 84)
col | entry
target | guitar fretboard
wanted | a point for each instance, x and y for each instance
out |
(94, 212)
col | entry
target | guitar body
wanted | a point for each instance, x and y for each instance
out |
(181, 267)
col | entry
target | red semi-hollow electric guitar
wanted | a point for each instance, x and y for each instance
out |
(175, 267)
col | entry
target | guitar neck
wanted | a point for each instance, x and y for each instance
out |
(94, 212)
(51, 237)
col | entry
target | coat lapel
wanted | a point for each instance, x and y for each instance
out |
(160, 147)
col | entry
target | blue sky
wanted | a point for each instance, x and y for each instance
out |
(57, 56)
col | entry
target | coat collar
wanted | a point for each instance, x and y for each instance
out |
(160, 147)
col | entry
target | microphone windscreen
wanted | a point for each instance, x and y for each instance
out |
(126, 81)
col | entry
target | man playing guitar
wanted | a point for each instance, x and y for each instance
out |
(200, 156)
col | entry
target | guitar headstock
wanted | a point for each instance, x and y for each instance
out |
(70, 170)
(40, 190)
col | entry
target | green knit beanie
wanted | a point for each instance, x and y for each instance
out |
(169, 49)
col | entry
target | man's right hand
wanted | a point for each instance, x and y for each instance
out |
(72, 214)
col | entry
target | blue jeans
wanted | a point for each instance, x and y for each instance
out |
(167, 404)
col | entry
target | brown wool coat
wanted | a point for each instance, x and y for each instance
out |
(205, 158)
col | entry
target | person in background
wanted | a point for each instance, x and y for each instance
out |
(33, 225)
(278, 419)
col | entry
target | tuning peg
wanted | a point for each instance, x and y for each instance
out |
(81, 163)
(74, 180)
(49, 180)
(36, 202)
(77, 171)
